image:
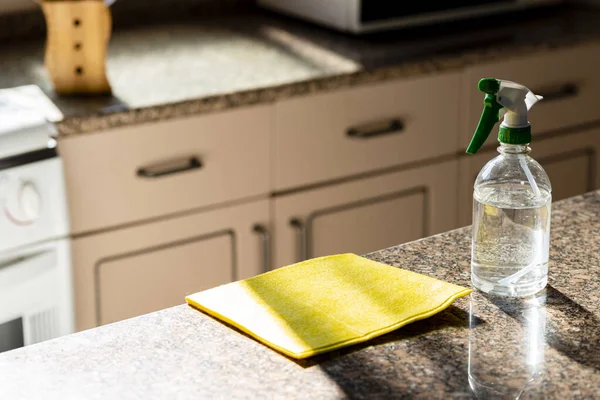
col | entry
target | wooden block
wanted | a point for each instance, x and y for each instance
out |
(77, 38)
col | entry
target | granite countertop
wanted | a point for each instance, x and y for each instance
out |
(547, 345)
(199, 66)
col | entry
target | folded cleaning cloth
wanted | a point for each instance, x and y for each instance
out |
(326, 303)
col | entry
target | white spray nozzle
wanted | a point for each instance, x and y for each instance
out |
(516, 100)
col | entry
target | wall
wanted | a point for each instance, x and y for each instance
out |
(11, 6)
(21, 19)
(15, 6)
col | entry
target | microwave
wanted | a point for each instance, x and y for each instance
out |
(361, 16)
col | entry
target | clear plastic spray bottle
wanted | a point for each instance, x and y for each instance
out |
(511, 200)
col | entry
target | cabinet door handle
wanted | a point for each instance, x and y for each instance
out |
(559, 92)
(266, 245)
(300, 228)
(170, 167)
(376, 129)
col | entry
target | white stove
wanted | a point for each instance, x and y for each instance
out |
(36, 300)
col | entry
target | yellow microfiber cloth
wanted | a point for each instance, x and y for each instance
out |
(326, 303)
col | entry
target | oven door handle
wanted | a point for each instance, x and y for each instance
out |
(29, 265)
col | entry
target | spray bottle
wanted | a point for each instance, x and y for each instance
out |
(511, 200)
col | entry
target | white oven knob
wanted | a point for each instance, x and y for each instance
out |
(31, 202)
(23, 204)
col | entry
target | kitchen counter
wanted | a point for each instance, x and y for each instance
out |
(545, 346)
(192, 67)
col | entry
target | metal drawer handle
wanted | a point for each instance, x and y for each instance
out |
(170, 167)
(266, 245)
(376, 129)
(559, 92)
(300, 238)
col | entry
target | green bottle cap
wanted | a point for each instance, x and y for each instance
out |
(514, 135)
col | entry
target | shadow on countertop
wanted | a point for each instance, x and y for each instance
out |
(365, 371)
(373, 369)
(570, 328)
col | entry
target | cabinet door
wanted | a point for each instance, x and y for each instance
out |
(136, 270)
(367, 214)
(570, 161)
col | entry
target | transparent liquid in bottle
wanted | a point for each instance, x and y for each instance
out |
(511, 232)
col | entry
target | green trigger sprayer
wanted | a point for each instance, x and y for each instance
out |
(512, 198)
(509, 97)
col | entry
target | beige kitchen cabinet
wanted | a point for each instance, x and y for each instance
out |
(570, 161)
(135, 173)
(367, 214)
(324, 137)
(567, 78)
(140, 269)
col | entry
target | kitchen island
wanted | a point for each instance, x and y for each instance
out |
(547, 345)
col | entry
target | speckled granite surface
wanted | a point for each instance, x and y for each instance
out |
(201, 66)
(546, 346)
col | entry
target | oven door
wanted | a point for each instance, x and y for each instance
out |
(35, 295)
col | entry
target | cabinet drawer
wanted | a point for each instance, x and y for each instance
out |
(332, 135)
(134, 173)
(567, 79)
